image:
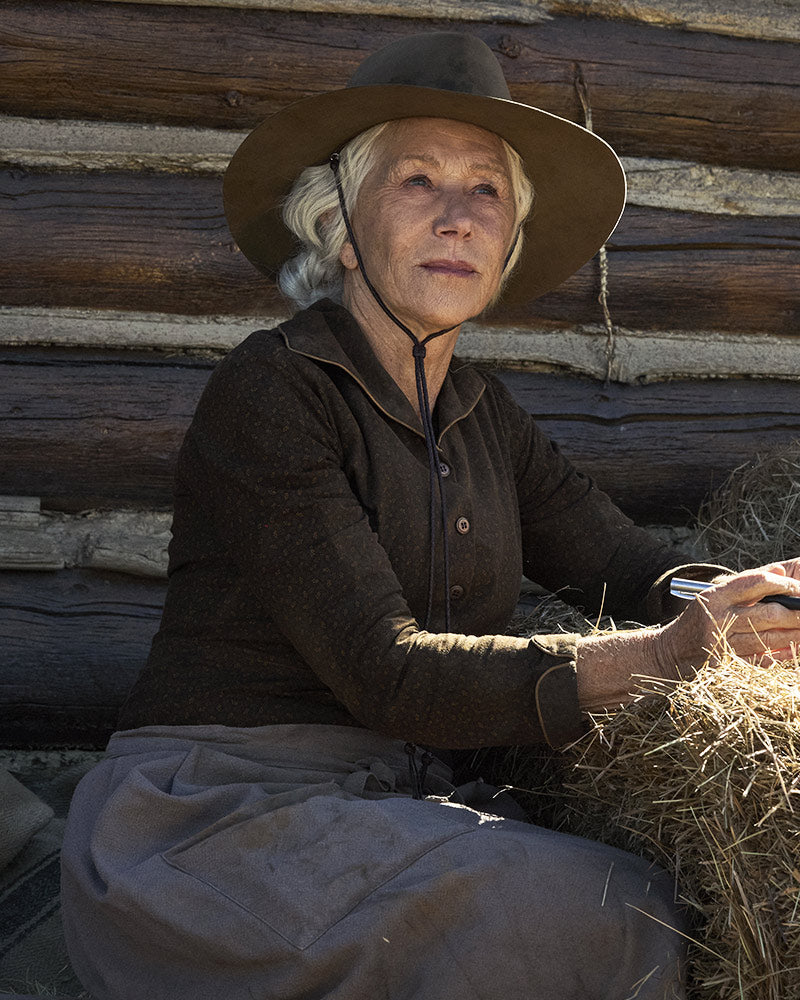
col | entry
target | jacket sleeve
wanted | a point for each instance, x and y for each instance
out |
(264, 453)
(578, 543)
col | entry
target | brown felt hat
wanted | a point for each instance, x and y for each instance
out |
(578, 180)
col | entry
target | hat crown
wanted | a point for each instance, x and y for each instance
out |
(443, 60)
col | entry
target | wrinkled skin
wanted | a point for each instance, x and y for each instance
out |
(762, 633)
(434, 221)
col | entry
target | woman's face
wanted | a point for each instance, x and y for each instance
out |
(434, 222)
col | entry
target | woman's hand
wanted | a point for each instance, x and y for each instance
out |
(608, 664)
(732, 608)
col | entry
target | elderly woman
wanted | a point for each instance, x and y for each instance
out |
(354, 511)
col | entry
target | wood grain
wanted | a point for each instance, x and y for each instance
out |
(121, 541)
(742, 18)
(73, 642)
(84, 430)
(659, 449)
(638, 355)
(654, 91)
(78, 146)
(99, 431)
(159, 243)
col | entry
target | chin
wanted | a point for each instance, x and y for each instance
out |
(449, 310)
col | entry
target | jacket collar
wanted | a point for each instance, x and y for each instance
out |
(326, 332)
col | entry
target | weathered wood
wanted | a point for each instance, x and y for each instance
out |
(40, 143)
(23, 542)
(73, 642)
(636, 356)
(120, 541)
(777, 19)
(112, 240)
(159, 242)
(693, 187)
(104, 328)
(639, 355)
(36, 144)
(654, 91)
(659, 449)
(88, 432)
(121, 420)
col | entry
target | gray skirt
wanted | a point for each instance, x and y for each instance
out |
(292, 863)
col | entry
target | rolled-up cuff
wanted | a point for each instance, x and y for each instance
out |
(560, 717)
(660, 605)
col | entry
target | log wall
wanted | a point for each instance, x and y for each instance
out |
(159, 242)
(120, 286)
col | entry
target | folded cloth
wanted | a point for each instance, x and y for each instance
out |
(22, 814)
(292, 861)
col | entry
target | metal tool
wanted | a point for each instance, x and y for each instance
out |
(689, 589)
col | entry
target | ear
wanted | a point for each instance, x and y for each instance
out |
(347, 256)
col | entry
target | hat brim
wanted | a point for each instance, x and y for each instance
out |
(578, 180)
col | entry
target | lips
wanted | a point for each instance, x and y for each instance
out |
(457, 268)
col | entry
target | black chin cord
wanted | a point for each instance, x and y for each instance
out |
(434, 468)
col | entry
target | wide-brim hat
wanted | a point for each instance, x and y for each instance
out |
(579, 183)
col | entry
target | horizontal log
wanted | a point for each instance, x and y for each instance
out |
(656, 92)
(39, 144)
(742, 18)
(660, 449)
(632, 356)
(87, 431)
(649, 355)
(159, 242)
(121, 419)
(73, 643)
(23, 543)
(122, 541)
(694, 187)
(134, 542)
(47, 144)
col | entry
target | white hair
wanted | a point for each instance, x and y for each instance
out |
(311, 212)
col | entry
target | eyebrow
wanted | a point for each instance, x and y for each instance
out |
(478, 167)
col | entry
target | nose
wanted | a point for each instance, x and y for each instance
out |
(454, 218)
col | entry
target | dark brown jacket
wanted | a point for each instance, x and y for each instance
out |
(299, 559)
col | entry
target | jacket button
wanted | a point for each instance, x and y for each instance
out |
(456, 592)
(444, 470)
(462, 526)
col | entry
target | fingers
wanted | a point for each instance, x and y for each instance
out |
(748, 588)
(763, 617)
(761, 633)
(779, 644)
(752, 630)
(791, 568)
(769, 657)
(732, 609)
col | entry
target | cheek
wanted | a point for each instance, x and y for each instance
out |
(393, 246)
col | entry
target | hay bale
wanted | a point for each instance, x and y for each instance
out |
(753, 518)
(702, 777)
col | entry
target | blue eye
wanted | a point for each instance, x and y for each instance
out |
(486, 189)
(419, 180)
